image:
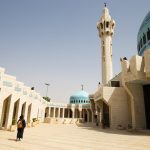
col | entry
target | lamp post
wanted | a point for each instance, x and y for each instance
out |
(47, 85)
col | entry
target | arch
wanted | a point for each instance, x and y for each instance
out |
(52, 112)
(23, 109)
(106, 118)
(144, 38)
(148, 34)
(107, 24)
(77, 113)
(29, 113)
(15, 111)
(46, 112)
(56, 112)
(5, 112)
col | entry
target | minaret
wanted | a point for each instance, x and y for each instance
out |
(106, 29)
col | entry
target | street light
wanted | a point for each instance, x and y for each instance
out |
(47, 84)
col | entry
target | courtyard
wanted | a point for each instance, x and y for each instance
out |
(75, 137)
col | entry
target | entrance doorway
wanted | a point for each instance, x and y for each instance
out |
(146, 90)
(106, 114)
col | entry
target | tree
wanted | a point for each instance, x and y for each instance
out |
(47, 99)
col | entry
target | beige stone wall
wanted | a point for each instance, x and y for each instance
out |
(117, 99)
(138, 102)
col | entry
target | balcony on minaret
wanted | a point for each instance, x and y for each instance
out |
(106, 25)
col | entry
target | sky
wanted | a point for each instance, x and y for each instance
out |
(56, 42)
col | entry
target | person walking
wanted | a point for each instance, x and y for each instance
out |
(21, 124)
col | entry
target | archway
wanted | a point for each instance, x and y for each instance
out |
(106, 115)
(77, 113)
(52, 112)
(5, 112)
(15, 111)
(61, 112)
(29, 113)
(66, 113)
(23, 109)
(84, 115)
(146, 90)
(46, 112)
(56, 112)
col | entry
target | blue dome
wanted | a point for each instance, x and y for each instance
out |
(143, 37)
(79, 97)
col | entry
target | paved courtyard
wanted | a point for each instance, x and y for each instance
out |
(72, 137)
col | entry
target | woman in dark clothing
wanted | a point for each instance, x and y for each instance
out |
(21, 124)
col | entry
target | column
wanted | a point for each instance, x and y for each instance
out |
(58, 112)
(63, 113)
(88, 115)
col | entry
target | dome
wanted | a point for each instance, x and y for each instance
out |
(143, 37)
(79, 97)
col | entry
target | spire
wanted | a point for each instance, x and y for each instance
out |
(82, 87)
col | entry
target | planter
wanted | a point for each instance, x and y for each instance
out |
(33, 124)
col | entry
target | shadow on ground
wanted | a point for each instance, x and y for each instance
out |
(12, 140)
(87, 126)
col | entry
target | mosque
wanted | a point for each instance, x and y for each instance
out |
(120, 102)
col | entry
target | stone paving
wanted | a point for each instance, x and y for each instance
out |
(73, 137)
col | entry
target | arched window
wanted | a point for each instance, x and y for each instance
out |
(84, 101)
(101, 25)
(138, 47)
(81, 101)
(141, 43)
(107, 24)
(144, 38)
(148, 34)
(112, 25)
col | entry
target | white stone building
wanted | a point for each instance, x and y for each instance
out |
(123, 101)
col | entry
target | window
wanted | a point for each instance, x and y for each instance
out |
(138, 47)
(101, 25)
(115, 83)
(144, 38)
(148, 34)
(84, 101)
(107, 24)
(112, 25)
(81, 101)
(141, 43)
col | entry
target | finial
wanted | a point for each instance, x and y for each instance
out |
(82, 86)
(105, 4)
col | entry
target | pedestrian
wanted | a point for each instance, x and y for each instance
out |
(21, 124)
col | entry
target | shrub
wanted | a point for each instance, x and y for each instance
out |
(34, 119)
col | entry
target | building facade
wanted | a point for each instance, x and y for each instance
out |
(124, 101)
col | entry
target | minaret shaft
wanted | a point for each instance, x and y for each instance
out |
(106, 28)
